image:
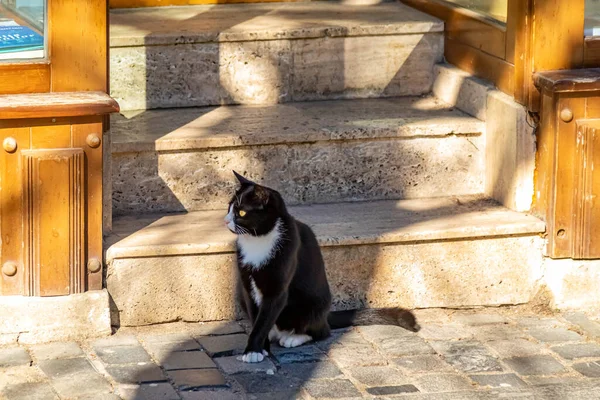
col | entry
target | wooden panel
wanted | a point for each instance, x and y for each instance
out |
(51, 135)
(53, 199)
(556, 39)
(467, 27)
(591, 52)
(81, 130)
(481, 64)
(572, 80)
(11, 214)
(586, 241)
(24, 78)
(66, 104)
(78, 45)
(562, 208)
(544, 157)
(518, 31)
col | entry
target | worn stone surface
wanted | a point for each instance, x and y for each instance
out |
(56, 350)
(443, 383)
(590, 369)
(510, 152)
(535, 365)
(224, 345)
(448, 331)
(184, 57)
(244, 22)
(461, 89)
(335, 389)
(80, 384)
(378, 376)
(187, 360)
(149, 391)
(321, 172)
(502, 381)
(575, 284)
(45, 319)
(554, 334)
(336, 375)
(498, 332)
(218, 127)
(430, 274)
(311, 370)
(479, 318)
(232, 365)
(391, 390)
(578, 350)
(29, 390)
(123, 354)
(516, 347)
(12, 356)
(196, 378)
(303, 354)
(263, 383)
(468, 356)
(425, 363)
(216, 328)
(136, 373)
(590, 327)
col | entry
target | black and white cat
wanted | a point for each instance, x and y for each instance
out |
(283, 282)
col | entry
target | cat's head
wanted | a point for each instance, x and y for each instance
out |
(254, 209)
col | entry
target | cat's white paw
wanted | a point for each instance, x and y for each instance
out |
(253, 357)
(293, 340)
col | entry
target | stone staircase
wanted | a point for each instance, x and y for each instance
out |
(392, 177)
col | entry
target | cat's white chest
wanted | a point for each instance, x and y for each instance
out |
(258, 250)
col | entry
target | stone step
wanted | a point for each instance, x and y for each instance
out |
(270, 53)
(440, 252)
(313, 152)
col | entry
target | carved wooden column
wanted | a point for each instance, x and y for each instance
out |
(51, 192)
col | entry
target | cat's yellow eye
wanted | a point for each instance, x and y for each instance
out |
(242, 213)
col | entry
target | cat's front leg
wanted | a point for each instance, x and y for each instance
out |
(268, 312)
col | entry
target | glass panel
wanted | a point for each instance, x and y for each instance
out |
(592, 17)
(22, 30)
(495, 9)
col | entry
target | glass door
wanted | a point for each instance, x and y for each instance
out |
(22, 30)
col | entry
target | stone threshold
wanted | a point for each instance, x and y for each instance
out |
(266, 21)
(342, 224)
(244, 125)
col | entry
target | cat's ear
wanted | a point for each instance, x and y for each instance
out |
(243, 181)
(262, 193)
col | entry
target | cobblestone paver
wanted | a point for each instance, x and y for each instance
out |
(458, 355)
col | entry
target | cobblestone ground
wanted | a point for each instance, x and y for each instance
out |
(485, 354)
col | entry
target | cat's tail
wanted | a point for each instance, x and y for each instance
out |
(379, 316)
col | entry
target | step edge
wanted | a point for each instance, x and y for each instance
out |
(470, 127)
(530, 228)
(174, 38)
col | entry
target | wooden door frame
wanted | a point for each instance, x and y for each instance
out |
(474, 43)
(76, 48)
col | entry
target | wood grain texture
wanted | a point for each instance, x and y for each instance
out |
(53, 198)
(481, 65)
(81, 128)
(78, 45)
(586, 242)
(24, 78)
(466, 26)
(43, 105)
(573, 80)
(11, 210)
